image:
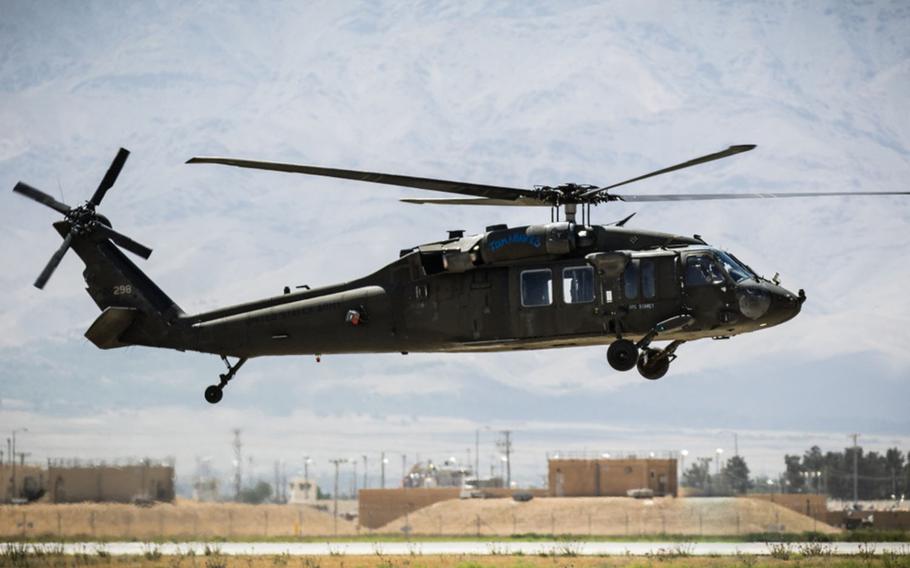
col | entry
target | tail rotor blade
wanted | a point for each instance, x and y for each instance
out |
(124, 241)
(53, 262)
(41, 197)
(111, 176)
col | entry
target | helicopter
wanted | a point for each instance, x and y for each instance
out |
(567, 282)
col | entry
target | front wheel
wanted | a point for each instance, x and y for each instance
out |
(653, 367)
(622, 355)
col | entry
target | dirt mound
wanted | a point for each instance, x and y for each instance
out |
(185, 519)
(605, 516)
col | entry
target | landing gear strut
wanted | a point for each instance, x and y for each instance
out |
(654, 363)
(623, 355)
(213, 393)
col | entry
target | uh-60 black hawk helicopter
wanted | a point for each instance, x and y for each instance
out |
(558, 284)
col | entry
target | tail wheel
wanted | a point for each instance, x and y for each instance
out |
(213, 394)
(622, 355)
(652, 366)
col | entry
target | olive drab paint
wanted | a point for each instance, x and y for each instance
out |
(558, 284)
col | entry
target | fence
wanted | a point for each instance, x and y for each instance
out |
(580, 516)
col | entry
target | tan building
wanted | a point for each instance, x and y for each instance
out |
(135, 482)
(611, 477)
(303, 491)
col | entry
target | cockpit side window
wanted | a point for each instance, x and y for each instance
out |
(701, 270)
(648, 279)
(630, 280)
(536, 288)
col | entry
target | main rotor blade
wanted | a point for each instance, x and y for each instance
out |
(719, 196)
(732, 150)
(124, 241)
(41, 197)
(54, 262)
(464, 188)
(111, 176)
(521, 201)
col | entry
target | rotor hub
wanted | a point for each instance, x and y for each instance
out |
(569, 193)
(82, 219)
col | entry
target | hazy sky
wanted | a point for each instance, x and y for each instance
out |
(514, 94)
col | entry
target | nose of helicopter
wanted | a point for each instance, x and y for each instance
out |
(768, 304)
(785, 305)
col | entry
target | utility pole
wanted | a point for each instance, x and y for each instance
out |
(337, 463)
(238, 464)
(735, 444)
(477, 453)
(276, 496)
(354, 479)
(404, 467)
(365, 471)
(855, 470)
(506, 445)
(13, 461)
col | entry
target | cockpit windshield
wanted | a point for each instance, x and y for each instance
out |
(737, 270)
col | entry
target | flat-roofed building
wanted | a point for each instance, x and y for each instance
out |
(611, 477)
(73, 481)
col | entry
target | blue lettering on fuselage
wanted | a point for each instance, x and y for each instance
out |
(515, 238)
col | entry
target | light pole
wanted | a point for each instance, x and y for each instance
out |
(383, 461)
(337, 463)
(354, 478)
(855, 471)
(306, 468)
(12, 494)
(477, 453)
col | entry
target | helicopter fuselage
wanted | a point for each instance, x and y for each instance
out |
(534, 287)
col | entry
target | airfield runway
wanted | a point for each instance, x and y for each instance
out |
(472, 548)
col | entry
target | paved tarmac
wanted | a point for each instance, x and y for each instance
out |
(473, 548)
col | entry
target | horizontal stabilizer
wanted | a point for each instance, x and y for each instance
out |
(105, 332)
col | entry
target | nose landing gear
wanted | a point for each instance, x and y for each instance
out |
(214, 393)
(622, 355)
(652, 364)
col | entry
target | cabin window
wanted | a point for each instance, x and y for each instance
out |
(648, 280)
(701, 270)
(630, 280)
(536, 287)
(578, 285)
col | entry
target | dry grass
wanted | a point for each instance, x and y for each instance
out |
(579, 516)
(152, 560)
(605, 516)
(186, 519)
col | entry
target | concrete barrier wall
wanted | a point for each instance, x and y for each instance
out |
(378, 507)
(815, 506)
